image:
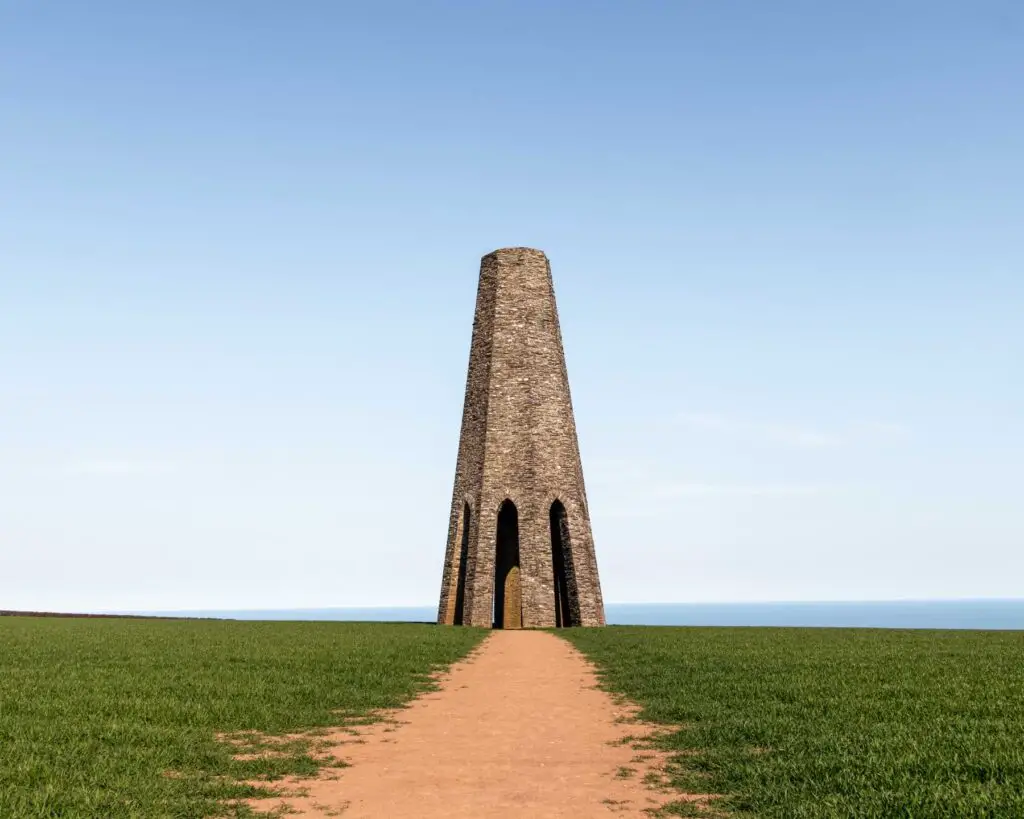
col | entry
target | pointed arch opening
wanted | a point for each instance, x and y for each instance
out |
(460, 589)
(508, 594)
(567, 606)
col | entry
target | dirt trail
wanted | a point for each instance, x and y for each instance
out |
(517, 730)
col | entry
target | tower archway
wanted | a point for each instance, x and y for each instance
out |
(460, 589)
(508, 592)
(567, 606)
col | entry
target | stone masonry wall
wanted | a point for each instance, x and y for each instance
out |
(518, 442)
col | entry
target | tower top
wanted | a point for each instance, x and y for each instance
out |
(516, 252)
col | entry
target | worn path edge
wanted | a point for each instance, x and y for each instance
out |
(519, 728)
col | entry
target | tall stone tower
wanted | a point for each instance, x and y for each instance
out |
(520, 552)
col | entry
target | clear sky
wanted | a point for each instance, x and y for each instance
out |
(239, 244)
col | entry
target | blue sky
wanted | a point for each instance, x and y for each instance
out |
(239, 244)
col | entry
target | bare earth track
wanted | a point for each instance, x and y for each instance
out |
(518, 729)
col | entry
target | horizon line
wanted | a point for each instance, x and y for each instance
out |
(774, 602)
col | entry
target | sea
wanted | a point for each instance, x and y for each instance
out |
(986, 614)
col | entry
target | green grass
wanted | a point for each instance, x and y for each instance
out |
(794, 723)
(118, 718)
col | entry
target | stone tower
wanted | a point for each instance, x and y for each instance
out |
(520, 552)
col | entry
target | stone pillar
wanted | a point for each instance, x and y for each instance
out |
(518, 443)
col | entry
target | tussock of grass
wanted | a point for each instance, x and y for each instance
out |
(795, 723)
(121, 718)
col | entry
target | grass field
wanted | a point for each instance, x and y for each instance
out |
(794, 723)
(117, 718)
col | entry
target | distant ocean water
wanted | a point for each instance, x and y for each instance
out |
(934, 614)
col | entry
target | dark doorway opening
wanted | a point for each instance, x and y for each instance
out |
(508, 594)
(460, 589)
(567, 606)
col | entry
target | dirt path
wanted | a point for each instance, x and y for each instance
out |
(517, 730)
